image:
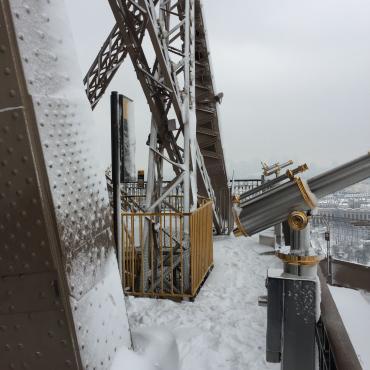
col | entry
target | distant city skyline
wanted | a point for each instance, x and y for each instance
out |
(295, 74)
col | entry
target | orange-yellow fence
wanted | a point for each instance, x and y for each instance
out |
(160, 259)
(201, 244)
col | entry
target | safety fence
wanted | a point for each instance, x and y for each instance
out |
(134, 196)
(240, 186)
(325, 352)
(167, 254)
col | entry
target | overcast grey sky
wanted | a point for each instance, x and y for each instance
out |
(295, 74)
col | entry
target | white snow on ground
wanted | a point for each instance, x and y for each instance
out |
(223, 329)
(354, 308)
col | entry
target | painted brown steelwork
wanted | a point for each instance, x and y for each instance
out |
(58, 267)
(31, 288)
(208, 130)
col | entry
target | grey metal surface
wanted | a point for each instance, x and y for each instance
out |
(340, 177)
(111, 55)
(291, 320)
(272, 207)
(274, 319)
(299, 325)
(55, 228)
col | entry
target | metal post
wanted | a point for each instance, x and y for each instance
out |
(328, 257)
(121, 138)
(116, 115)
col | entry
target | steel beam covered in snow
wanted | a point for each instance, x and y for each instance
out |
(62, 303)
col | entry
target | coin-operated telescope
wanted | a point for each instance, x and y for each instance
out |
(292, 298)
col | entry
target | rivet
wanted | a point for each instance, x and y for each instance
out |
(68, 363)
(7, 71)
(3, 48)
(42, 294)
(20, 346)
(12, 93)
(38, 354)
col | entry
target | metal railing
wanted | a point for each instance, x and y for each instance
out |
(243, 185)
(325, 353)
(160, 259)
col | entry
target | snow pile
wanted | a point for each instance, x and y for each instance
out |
(223, 329)
(354, 309)
(156, 348)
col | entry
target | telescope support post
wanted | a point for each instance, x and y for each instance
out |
(291, 307)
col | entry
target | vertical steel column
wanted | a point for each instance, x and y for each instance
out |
(116, 117)
(121, 138)
(185, 114)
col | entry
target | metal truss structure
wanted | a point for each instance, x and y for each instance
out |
(180, 92)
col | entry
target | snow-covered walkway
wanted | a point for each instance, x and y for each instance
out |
(223, 329)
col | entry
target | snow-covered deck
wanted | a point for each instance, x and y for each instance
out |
(354, 309)
(223, 329)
